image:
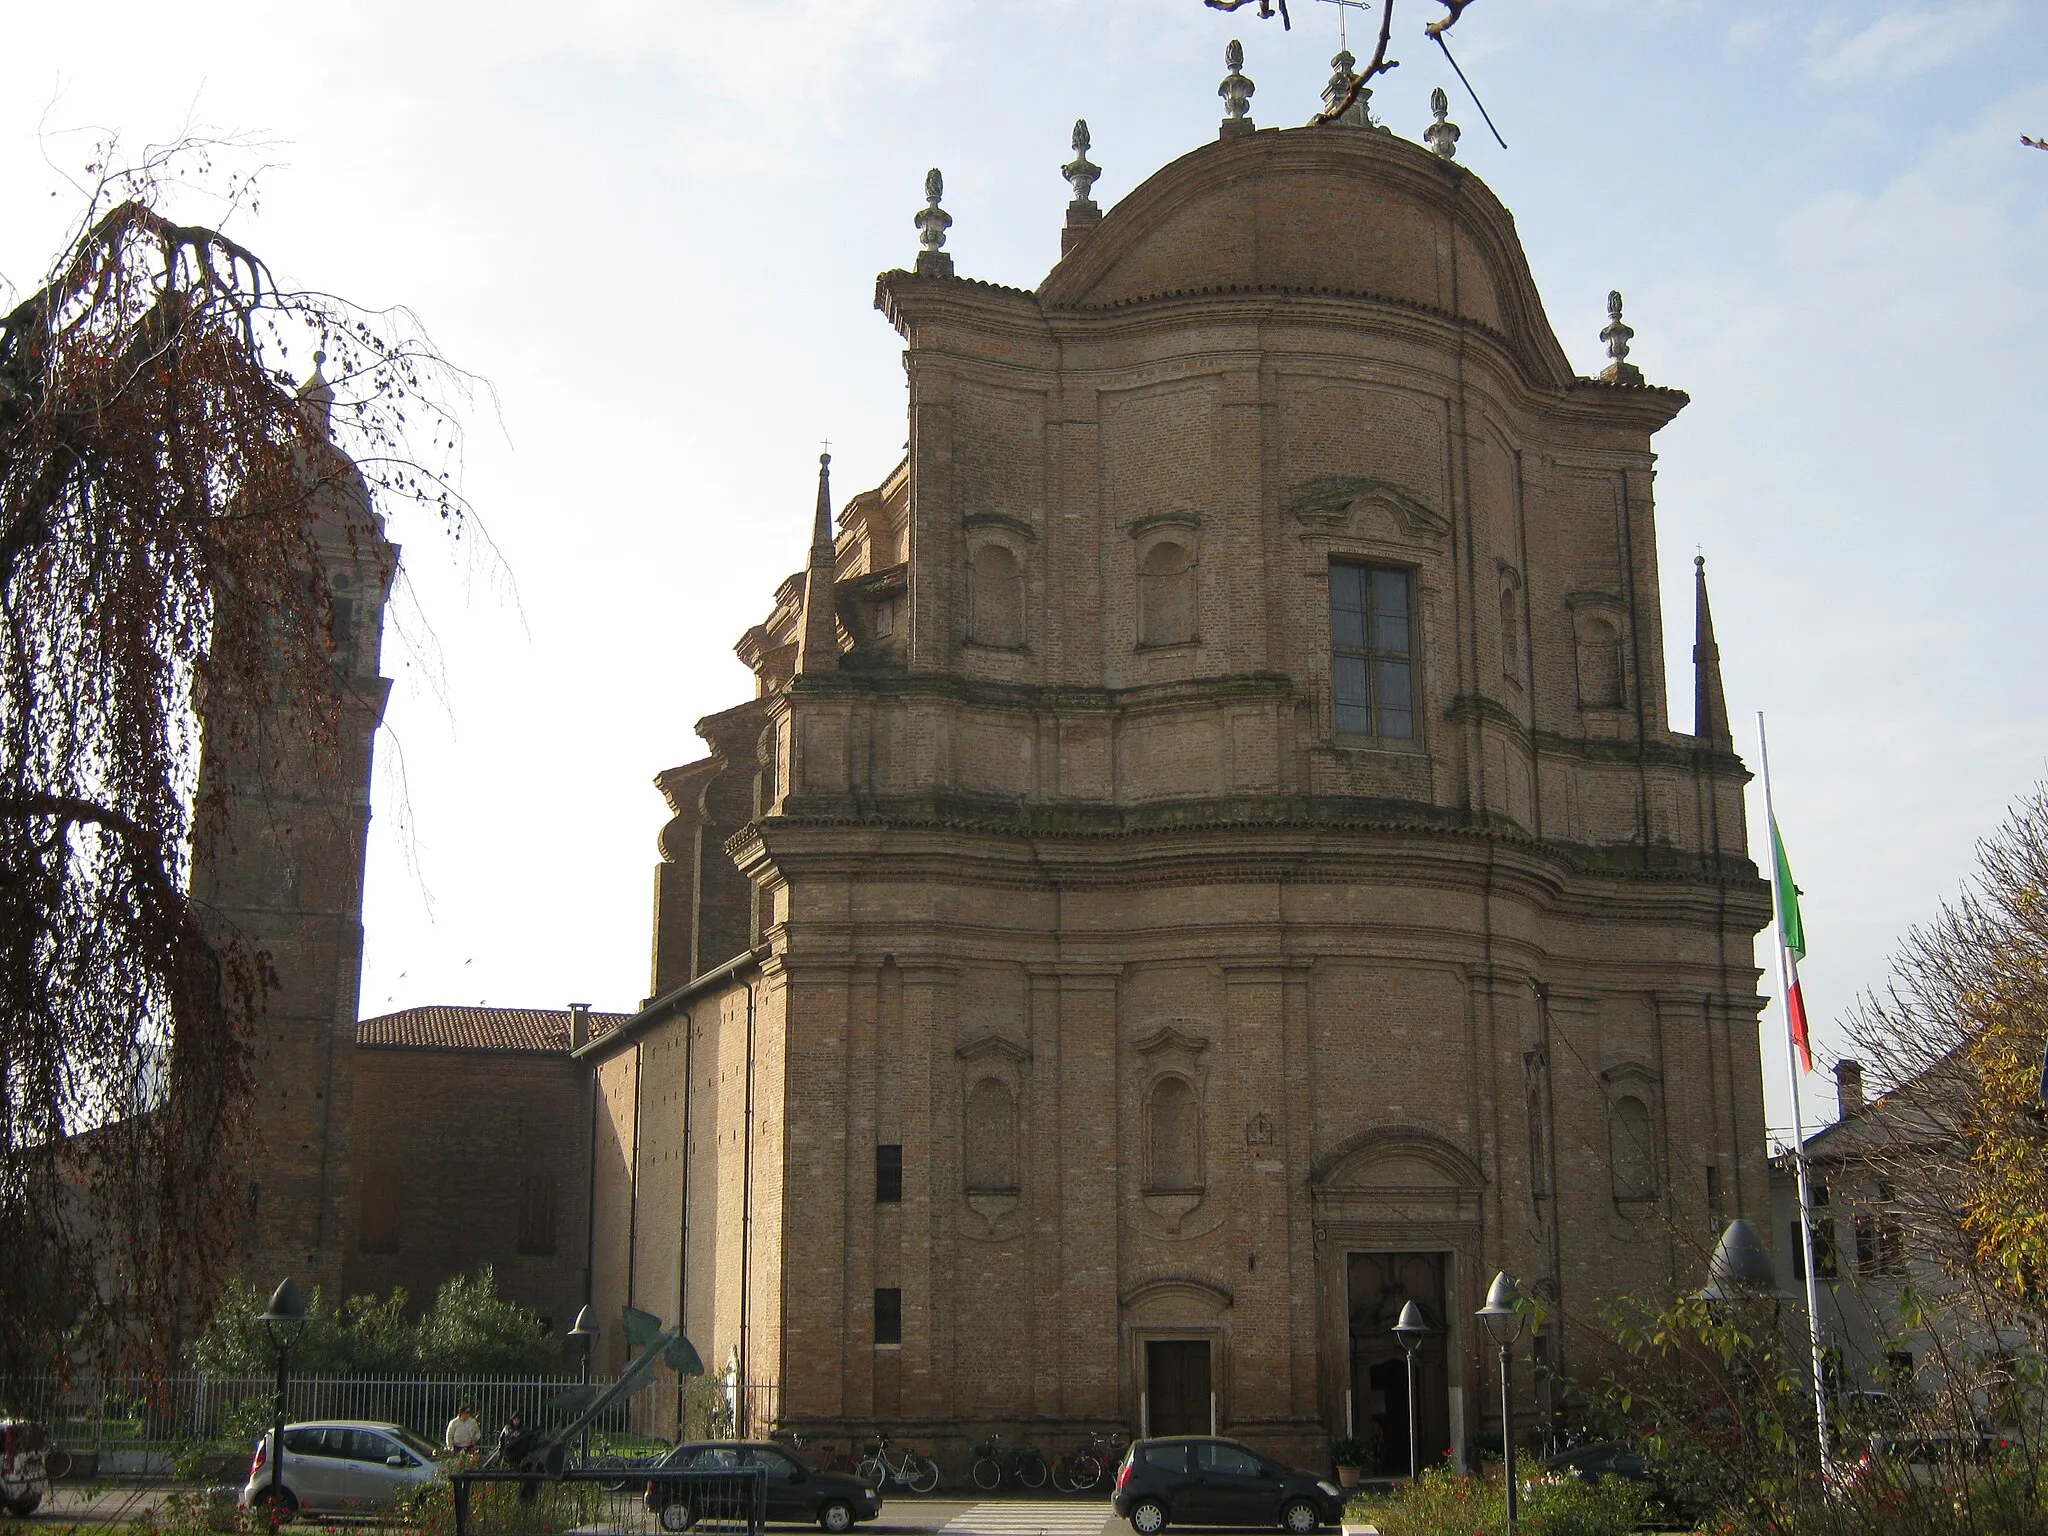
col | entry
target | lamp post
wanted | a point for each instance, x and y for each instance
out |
(283, 1321)
(1502, 1316)
(585, 1328)
(1411, 1328)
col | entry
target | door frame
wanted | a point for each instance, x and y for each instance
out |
(1141, 1369)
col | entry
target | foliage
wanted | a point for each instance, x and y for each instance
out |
(469, 1330)
(159, 485)
(1444, 1502)
(1346, 1451)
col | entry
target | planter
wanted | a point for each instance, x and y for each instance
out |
(1347, 1477)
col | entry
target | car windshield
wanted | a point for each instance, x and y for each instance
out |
(415, 1444)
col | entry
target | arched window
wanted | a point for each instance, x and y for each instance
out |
(991, 1160)
(1630, 1149)
(995, 598)
(1174, 1126)
(1166, 595)
(1510, 633)
(1600, 675)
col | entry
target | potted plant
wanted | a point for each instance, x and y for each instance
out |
(1349, 1456)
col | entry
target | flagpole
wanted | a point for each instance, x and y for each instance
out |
(1820, 1392)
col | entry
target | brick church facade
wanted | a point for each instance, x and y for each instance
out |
(1206, 860)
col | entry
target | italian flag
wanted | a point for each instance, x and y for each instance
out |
(1792, 937)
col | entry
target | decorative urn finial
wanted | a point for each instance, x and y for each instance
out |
(1082, 214)
(1441, 135)
(932, 222)
(1617, 334)
(1236, 91)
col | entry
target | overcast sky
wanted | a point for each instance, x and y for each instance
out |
(654, 226)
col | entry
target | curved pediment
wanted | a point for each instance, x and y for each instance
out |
(1397, 1157)
(1177, 1294)
(1329, 211)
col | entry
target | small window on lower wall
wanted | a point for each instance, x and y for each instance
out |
(888, 1316)
(889, 1173)
(537, 1214)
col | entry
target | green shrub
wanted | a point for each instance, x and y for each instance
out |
(1449, 1503)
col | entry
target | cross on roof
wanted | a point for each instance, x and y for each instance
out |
(1344, 7)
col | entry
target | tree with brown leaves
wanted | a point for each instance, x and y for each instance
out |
(159, 481)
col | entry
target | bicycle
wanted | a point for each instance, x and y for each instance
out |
(1026, 1468)
(1083, 1467)
(825, 1458)
(920, 1474)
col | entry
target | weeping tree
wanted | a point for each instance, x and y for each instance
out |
(159, 483)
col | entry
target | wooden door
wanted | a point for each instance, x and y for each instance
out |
(1177, 1386)
(1379, 1283)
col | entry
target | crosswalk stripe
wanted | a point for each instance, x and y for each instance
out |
(1021, 1518)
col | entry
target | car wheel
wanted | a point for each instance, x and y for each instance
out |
(836, 1517)
(1300, 1517)
(678, 1516)
(27, 1504)
(1148, 1517)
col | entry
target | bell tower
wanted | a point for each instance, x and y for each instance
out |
(278, 863)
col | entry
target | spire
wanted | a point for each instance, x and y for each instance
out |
(818, 644)
(1236, 91)
(1617, 334)
(1082, 213)
(932, 222)
(1709, 703)
(1441, 135)
(316, 396)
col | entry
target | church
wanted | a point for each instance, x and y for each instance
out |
(1207, 858)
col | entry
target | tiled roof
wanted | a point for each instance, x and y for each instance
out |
(438, 1027)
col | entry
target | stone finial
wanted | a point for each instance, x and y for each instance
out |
(1236, 91)
(1081, 172)
(1617, 334)
(932, 222)
(1441, 135)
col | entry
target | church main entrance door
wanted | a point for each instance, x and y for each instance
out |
(1177, 1386)
(1378, 1284)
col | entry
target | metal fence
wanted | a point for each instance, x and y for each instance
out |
(116, 1414)
(496, 1503)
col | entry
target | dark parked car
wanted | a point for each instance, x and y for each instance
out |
(795, 1490)
(1598, 1459)
(1201, 1480)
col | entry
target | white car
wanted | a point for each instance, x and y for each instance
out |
(340, 1465)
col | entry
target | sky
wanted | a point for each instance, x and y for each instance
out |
(653, 226)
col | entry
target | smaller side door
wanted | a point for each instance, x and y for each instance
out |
(1236, 1488)
(371, 1466)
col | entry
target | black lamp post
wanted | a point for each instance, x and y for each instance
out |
(283, 1322)
(1411, 1328)
(1502, 1316)
(585, 1328)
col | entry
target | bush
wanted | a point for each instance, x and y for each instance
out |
(1449, 1503)
(470, 1330)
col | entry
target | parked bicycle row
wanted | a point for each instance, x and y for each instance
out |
(997, 1464)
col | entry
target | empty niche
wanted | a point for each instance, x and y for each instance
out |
(1599, 660)
(1166, 594)
(1173, 1139)
(991, 1138)
(1630, 1149)
(995, 597)
(1510, 625)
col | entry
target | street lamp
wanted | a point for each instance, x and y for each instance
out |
(1502, 1316)
(1411, 1328)
(1739, 1275)
(283, 1322)
(585, 1328)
